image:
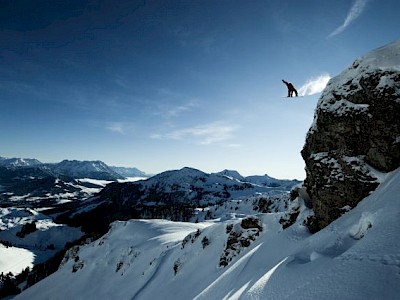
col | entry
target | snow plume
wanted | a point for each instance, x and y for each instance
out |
(355, 11)
(314, 85)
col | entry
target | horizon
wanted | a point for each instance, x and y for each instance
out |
(164, 85)
(146, 173)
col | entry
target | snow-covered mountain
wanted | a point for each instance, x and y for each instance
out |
(232, 174)
(191, 186)
(355, 257)
(174, 195)
(30, 182)
(75, 169)
(85, 169)
(262, 180)
(51, 205)
(18, 162)
(38, 187)
(128, 172)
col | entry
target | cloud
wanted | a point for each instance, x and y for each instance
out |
(174, 104)
(208, 134)
(177, 110)
(120, 127)
(355, 11)
(314, 85)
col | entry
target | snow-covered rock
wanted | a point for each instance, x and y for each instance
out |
(355, 134)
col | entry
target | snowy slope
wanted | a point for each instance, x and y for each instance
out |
(14, 259)
(355, 257)
(31, 248)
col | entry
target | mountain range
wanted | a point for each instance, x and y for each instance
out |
(31, 182)
(75, 169)
(174, 195)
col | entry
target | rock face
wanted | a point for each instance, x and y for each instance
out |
(356, 132)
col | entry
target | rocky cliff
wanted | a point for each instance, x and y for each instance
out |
(355, 134)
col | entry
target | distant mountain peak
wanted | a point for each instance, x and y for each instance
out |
(18, 162)
(231, 174)
(129, 172)
(95, 169)
(86, 169)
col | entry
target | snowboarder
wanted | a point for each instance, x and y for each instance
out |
(290, 88)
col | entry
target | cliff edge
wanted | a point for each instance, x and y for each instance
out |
(355, 136)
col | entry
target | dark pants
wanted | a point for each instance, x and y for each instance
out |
(290, 92)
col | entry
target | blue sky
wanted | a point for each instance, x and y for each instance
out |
(160, 85)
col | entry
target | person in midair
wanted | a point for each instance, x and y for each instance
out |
(290, 88)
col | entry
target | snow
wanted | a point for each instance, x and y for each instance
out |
(342, 107)
(98, 182)
(14, 260)
(81, 192)
(103, 183)
(336, 171)
(358, 164)
(355, 257)
(33, 248)
(384, 58)
(193, 185)
(335, 96)
(132, 179)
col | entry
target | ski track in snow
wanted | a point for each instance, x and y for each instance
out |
(235, 269)
(257, 289)
(160, 261)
